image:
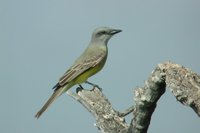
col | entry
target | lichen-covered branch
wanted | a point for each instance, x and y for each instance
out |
(184, 84)
(146, 99)
(107, 119)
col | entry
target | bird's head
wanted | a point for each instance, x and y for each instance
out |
(103, 34)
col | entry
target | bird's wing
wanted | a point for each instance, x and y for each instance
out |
(80, 68)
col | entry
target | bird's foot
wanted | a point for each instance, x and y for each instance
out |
(94, 86)
(80, 88)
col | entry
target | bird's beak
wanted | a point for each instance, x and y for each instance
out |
(115, 31)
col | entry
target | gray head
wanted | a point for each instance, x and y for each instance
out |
(103, 34)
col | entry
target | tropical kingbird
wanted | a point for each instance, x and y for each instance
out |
(89, 63)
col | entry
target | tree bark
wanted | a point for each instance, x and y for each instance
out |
(184, 84)
(146, 99)
(107, 119)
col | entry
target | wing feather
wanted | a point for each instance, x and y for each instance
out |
(80, 68)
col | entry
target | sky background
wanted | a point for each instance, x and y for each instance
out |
(40, 39)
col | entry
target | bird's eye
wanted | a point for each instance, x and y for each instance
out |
(102, 33)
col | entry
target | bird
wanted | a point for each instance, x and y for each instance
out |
(89, 63)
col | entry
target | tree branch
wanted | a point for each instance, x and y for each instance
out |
(146, 99)
(184, 84)
(108, 120)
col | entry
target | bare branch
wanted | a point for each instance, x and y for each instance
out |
(184, 84)
(108, 120)
(146, 99)
(126, 112)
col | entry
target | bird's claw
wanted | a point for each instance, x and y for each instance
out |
(96, 86)
(80, 88)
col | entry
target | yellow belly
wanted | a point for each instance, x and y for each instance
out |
(84, 76)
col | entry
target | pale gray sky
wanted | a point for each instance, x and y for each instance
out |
(40, 39)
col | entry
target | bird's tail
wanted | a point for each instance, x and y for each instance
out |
(53, 97)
